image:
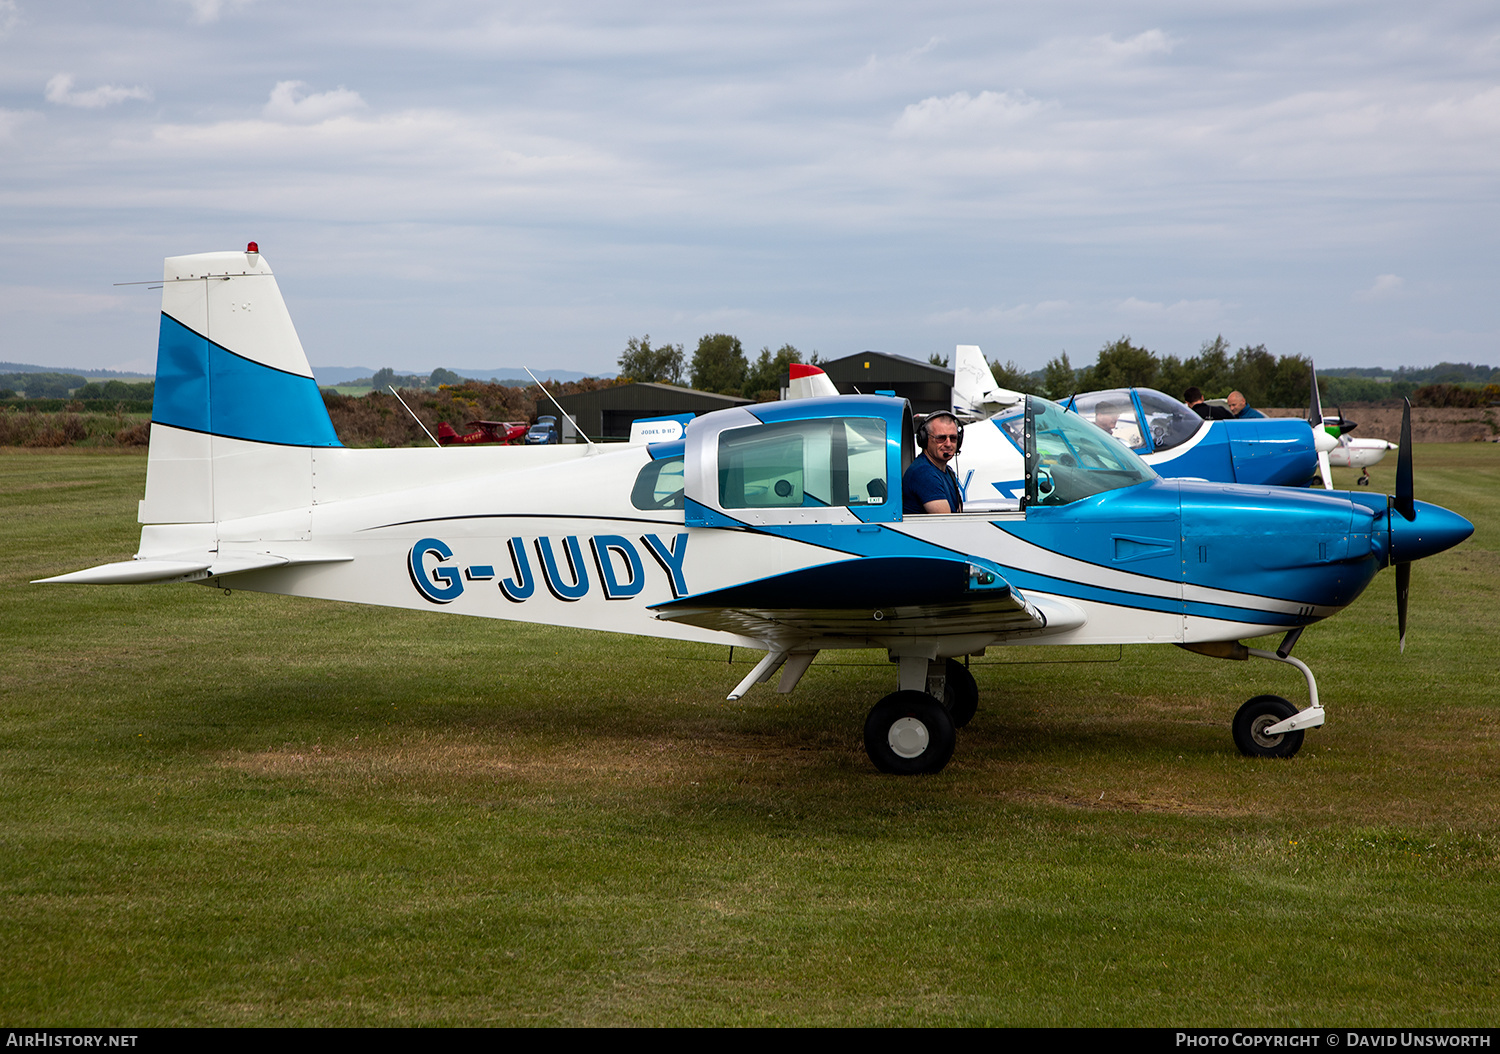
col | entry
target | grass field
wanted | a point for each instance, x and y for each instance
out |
(259, 810)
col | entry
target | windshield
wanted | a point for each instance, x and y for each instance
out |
(1068, 458)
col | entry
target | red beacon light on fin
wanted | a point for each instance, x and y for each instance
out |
(252, 248)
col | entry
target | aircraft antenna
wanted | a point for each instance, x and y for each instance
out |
(560, 410)
(414, 417)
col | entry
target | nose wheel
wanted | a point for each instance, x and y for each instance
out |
(1252, 724)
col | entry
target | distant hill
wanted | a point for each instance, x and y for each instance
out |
(23, 367)
(514, 376)
(326, 375)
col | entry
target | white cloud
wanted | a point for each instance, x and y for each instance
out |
(10, 17)
(875, 64)
(205, 11)
(60, 91)
(1384, 287)
(1151, 42)
(1181, 309)
(289, 104)
(962, 112)
(10, 120)
(45, 300)
(970, 317)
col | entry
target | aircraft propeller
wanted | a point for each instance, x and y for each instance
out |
(1404, 503)
(1323, 441)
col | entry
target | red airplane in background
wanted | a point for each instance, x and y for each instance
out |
(489, 432)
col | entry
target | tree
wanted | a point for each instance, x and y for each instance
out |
(1291, 383)
(1210, 369)
(1123, 365)
(1013, 377)
(1059, 378)
(384, 378)
(770, 373)
(938, 360)
(719, 364)
(647, 365)
(448, 377)
(1253, 371)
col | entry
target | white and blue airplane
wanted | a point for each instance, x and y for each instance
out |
(777, 527)
(1169, 435)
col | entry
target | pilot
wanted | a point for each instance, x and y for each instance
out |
(929, 484)
(1107, 417)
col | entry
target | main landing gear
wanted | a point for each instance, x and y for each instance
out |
(909, 731)
(913, 730)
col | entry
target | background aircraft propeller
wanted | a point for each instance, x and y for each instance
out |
(1404, 503)
(1323, 441)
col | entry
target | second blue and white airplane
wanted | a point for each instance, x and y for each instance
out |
(777, 526)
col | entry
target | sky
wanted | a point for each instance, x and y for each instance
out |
(471, 185)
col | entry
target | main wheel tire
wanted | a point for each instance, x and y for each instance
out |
(1261, 713)
(960, 693)
(909, 733)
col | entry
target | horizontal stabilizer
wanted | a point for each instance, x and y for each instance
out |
(975, 390)
(212, 565)
(127, 572)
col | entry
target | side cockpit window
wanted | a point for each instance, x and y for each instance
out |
(658, 486)
(803, 464)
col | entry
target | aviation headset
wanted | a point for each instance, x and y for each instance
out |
(922, 436)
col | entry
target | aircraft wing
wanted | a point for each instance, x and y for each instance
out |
(872, 597)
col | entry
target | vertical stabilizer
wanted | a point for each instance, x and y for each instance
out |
(808, 382)
(976, 393)
(237, 412)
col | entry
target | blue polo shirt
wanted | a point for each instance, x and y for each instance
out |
(925, 482)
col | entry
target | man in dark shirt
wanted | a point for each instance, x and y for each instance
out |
(929, 485)
(1194, 398)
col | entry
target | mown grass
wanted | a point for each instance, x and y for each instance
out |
(258, 810)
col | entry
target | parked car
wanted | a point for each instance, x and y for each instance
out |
(544, 431)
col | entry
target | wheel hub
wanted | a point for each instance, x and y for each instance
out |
(908, 737)
(1258, 727)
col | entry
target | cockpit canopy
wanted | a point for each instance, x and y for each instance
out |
(841, 460)
(1168, 423)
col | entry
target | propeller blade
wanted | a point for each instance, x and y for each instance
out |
(1345, 425)
(1315, 405)
(1323, 440)
(1403, 589)
(1405, 489)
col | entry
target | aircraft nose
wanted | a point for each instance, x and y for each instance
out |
(1432, 531)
